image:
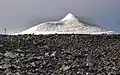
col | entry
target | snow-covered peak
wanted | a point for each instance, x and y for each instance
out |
(69, 17)
(68, 25)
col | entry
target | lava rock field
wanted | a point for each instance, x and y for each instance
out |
(71, 54)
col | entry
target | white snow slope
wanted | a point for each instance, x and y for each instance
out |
(68, 25)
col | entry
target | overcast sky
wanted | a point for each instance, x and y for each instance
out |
(18, 15)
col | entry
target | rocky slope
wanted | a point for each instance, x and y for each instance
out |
(60, 55)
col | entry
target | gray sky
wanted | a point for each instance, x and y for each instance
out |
(18, 15)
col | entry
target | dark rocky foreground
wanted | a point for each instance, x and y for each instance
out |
(60, 55)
